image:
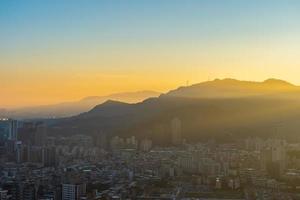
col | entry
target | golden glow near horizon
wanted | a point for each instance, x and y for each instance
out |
(46, 58)
(74, 78)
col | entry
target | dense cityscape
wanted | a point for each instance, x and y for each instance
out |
(37, 166)
(149, 100)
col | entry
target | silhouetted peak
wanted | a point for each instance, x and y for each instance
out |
(226, 80)
(273, 81)
(228, 88)
(108, 105)
(112, 103)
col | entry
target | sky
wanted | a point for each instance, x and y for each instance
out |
(60, 50)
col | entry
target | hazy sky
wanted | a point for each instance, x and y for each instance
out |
(58, 50)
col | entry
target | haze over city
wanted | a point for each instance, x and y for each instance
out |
(149, 100)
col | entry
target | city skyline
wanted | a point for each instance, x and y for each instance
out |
(149, 99)
(56, 51)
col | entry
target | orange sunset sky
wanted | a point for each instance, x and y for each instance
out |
(55, 51)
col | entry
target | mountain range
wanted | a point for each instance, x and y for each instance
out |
(67, 109)
(225, 109)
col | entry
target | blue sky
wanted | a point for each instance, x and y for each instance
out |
(41, 22)
(172, 41)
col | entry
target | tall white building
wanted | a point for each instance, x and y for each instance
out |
(73, 191)
(273, 157)
(146, 145)
(176, 131)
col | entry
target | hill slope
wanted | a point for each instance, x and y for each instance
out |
(219, 108)
(74, 108)
(231, 88)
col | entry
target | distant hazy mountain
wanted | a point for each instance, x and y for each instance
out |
(74, 108)
(221, 108)
(231, 88)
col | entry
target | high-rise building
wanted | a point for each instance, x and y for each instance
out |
(73, 191)
(26, 133)
(49, 156)
(176, 131)
(8, 129)
(131, 143)
(3, 194)
(14, 190)
(40, 134)
(29, 191)
(33, 133)
(14, 125)
(19, 151)
(273, 157)
(101, 140)
(145, 145)
(35, 154)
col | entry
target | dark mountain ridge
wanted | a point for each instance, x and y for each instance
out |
(210, 109)
(231, 88)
